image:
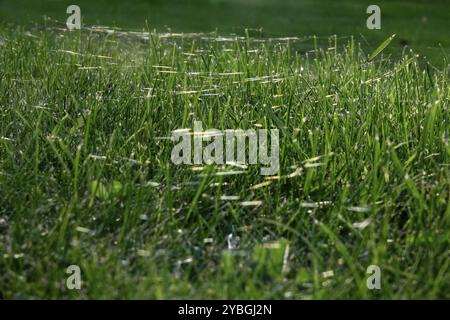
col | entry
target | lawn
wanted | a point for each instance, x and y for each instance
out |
(419, 24)
(86, 176)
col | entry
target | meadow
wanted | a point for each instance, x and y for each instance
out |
(86, 176)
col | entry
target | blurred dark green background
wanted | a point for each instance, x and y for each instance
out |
(420, 24)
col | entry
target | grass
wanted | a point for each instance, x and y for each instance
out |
(364, 179)
(419, 24)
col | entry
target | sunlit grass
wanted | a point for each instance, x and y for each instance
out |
(86, 176)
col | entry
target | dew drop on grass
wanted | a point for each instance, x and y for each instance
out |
(253, 203)
(231, 242)
(328, 274)
(143, 253)
(229, 198)
(363, 224)
(83, 230)
(152, 184)
(359, 209)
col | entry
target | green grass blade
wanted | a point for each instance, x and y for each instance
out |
(380, 48)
